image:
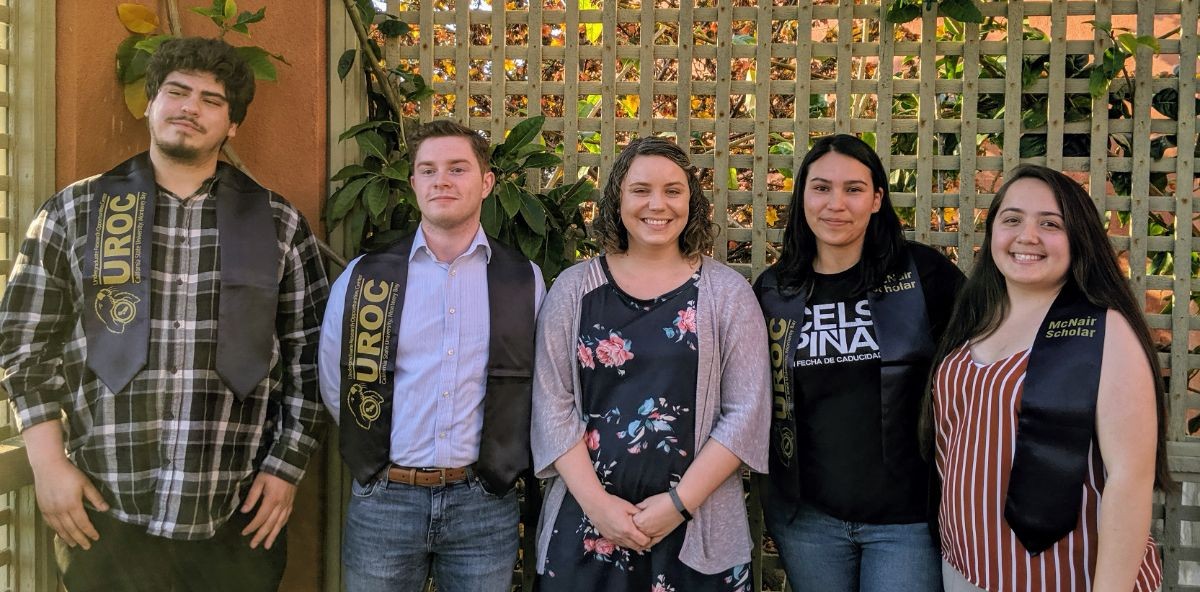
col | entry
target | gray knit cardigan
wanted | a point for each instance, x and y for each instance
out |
(733, 403)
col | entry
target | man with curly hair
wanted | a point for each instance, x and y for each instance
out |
(158, 340)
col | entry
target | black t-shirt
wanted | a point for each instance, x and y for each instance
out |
(836, 373)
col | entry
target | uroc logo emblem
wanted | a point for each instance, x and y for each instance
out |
(116, 308)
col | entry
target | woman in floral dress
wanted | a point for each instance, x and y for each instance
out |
(651, 391)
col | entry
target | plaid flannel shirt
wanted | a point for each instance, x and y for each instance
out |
(175, 451)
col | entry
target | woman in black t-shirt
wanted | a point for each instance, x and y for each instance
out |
(853, 313)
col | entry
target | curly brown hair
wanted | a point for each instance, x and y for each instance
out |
(607, 228)
(212, 56)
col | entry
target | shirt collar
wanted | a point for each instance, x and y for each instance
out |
(479, 242)
(206, 189)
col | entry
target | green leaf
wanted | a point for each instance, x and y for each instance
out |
(593, 32)
(230, 9)
(356, 220)
(376, 196)
(960, 10)
(1100, 26)
(1034, 118)
(393, 27)
(372, 144)
(208, 12)
(348, 171)
(345, 63)
(248, 17)
(529, 242)
(1166, 101)
(1097, 83)
(366, 9)
(343, 200)
(151, 44)
(1128, 42)
(1149, 41)
(259, 61)
(903, 11)
(541, 160)
(489, 216)
(523, 133)
(126, 55)
(510, 198)
(368, 125)
(533, 213)
(399, 170)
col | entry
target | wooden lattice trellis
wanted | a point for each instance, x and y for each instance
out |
(596, 69)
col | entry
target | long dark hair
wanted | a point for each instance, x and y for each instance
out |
(1094, 271)
(884, 239)
(698, 234)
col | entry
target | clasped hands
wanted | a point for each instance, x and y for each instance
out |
(635, 527)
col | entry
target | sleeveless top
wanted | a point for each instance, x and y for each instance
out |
(975, 415)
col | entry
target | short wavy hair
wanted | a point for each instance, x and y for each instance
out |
(698, 234)
(444, 128)
(212, 56)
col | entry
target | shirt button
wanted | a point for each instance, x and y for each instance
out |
(452, 310)
(442, 435)
(177, 324)
(174, 370)
(182, 239)
(453, 272)
(450, 352)
(179, 282)
(445, 394)
(168, 415)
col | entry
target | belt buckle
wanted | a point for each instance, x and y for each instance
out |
(441, 477)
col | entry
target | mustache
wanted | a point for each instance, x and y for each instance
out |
(189, 120)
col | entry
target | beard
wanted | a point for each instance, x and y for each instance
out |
(180, 149)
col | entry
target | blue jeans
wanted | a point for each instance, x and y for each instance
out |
(821, 553)
(395, 533)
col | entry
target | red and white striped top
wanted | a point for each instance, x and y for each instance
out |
(975, 410)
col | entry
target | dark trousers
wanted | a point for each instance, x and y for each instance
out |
(126, 559)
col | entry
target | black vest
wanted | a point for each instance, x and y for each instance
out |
(370, 330)
(906, 348)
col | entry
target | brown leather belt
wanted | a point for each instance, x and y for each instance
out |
(425, 477)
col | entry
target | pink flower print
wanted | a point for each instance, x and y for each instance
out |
(589, 545)
(585, 356)
(614, 351)
(604, 546)
(593, 439)
(686, 321)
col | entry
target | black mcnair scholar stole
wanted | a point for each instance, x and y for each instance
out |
(1057, 422)
(370, 331)
(116, 276)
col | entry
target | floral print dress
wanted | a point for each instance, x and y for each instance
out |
(637, 369)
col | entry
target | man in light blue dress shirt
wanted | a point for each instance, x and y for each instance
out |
(435, 503)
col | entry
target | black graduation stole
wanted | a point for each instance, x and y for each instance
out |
(1057, 422)
(116, 276)
(902, 331)
(370, 331)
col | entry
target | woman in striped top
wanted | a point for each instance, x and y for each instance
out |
(1048, 458)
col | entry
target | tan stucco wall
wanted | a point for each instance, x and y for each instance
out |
(282, 141)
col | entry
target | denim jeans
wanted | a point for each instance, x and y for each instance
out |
(396, 533)
(821, 553)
